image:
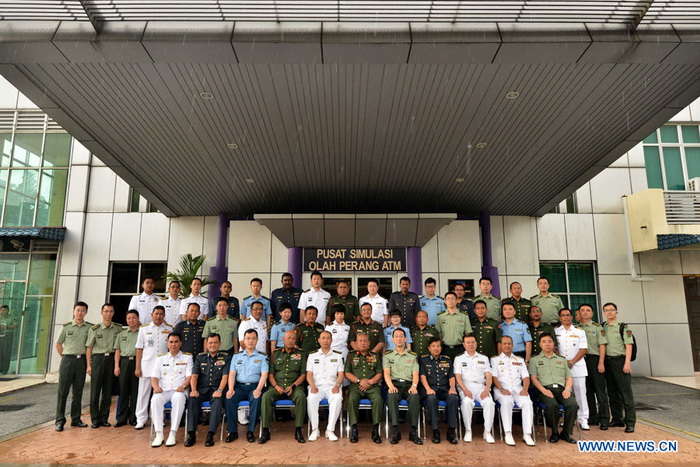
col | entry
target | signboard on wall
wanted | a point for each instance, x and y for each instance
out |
(355, 259)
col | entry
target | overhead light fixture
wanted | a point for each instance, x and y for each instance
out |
(512, 95)
(480, 145)
(459, 180)
(206, 95)
(232, 146)
(249, 180)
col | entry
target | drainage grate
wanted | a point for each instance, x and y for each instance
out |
(642, 406)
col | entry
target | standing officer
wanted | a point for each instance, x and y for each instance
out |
(473, 374)
(233, 306)
(518, 331)
(618, 370)
(347, 300)
(287, 374)
(172, 304)
(401, 376)
(421, 333)
(379, 304)
(407, 302)
(431, 303)
(521, 305)
(549, 303)
(151, 342)
(364, 371)
(316, 297)
(551, 376)
(223, 325)
(511, 383)
(146, 301)
(537, 328)
(256, 296)
(285, 324)
(325, 375)
(100, 365)
(438, 380)
(195, 297)
(486, 331)
(248, 372)
(309, 331)
(595, 365)
(452, 325)
(208, 383)
(257, 322)
(573, 346)
(171, 376)
(191, 330)
(339, 330)
(125, 369)
(8, 324)
(367, 325)
(286, 294)
(493, 303)
(463, 303)
(71, 347)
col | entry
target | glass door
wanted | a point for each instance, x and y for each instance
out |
(330, 284)
(386, 286)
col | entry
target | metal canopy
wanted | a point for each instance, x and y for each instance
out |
(309, 117)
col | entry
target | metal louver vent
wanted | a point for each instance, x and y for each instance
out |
(31, 121)
(7, 120)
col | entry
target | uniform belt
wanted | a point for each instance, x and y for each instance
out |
(555, 386)
(401, 381)
(103, 354)
(608, 357)
(130, 358)
(246, 384)
(74, 356)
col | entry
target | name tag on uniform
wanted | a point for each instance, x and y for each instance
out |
(559, 362)
(334, 360)
(481, 362)
(317, 361)
(100, 336)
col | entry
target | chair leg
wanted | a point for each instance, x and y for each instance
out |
(386, 421)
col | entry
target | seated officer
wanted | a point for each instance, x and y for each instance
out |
(438, 380)
(364, 371)
(325, 375)
(208, 383)
(401, 377)
(287, 374)
(551, 376)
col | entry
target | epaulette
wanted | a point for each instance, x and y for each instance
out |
(88, 323)
(421, 296)
(167, 324)
(68, 323)
(186, 353)
(412, 353)
(213, 317)
(496, 297)
(114, 323)
(262, 296)
(534, 297)
(225, 352)
(441, 298)
(338, 352)
(387, 351)
(307, 290)
(95, 327)
(144, 324)
(245, 319)
(160, 355)
(554, 295)
(443, 312)
(246, 298)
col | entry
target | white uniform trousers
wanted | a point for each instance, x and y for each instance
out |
(158, 401)
(467, 406)
(581, 399)
(143, 400)
(507, 401)
(335, 403)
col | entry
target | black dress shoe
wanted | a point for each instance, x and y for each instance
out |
(567, 437)
(59, 426)
(298, 435)
(95, 425)
(210, 439)
(265, 437)
(354, 436)
(413, 436)
(79, 424)
(617, 424)
(231, 437)
(395, 437)
(554, 438)
(629, 429)
(603, 426)
(436, 436)
(190, 439)
(119, 424)
(452, 436)
(250, 437)
(105, 424)
(134, 423)
(375, 434)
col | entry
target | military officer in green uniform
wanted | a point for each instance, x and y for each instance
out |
(521, 304)
(493, 303)
(125, 369)
(367, 325)
(287, 374)
(595, 381)
(223, 325)
(618, 370)
(309, 331)
(486, 331)
(452, 325)
(349, 301)
(70, 345)
(549, 303)
(537, 327)
(422, 333)
(364, 371)
(551, 376)
(401, 372)
(100, 365)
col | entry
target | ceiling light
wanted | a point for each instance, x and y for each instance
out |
(480, 145)
(512, 95)
(206, 95)
(249, 180)
(232, 146)
(459, 180)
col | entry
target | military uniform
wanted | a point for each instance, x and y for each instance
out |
(318, 298)
(402, 366)
(472, 370)
(570, 342)
(380, 307)
(8, 324)
(325, 368)
(522, 308)
(209, 369)
(340, 334)
(466, 307)
(520, 333)
(421, 338)
(172, 372)
(408, 305)
(260, 327)
(172, 310)
(619, 382)
(536, 331)
(374, 330)
(101, 338)
(199, 300)
(280, 296)
(432, 306)
(286, 367)
(233, 311)
(248, 302)
(71, 373)
(249, 368)
(511, 372)
(144, 304)
(488, 335)
(226, 328)
(153, 340)
(596, 390)
(128, 382)
(493, 306)
(552, 372)
(453, 327)
(307, 337)
(351, 305)
(438, 372)
(389, 334)
(278, 331)
(550, 306)
(364, 366)
(192, 342)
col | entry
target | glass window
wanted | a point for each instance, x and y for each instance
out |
(125, 282)
(574, 282)
(41, 274)
(27, 150)
(673, 161)
(6, 142)
(652, 161)
(134, 201)
(52, 197)
(692, 160)
(673, 167)
(13, 267)
(669, 134)
(691, 134)
(556, 274)
(57, 150)
(20, 202)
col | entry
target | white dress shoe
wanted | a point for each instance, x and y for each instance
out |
(171, 439)
(331, 436)
(489, 438)
(158, 440)
(468, 436)
(528, 440)
(509, 439)
(584, 424)
(314, 435)
(139, 426)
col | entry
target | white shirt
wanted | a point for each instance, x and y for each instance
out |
(144, 304)
(172, 310)
(510, 371)
(380, 306)
(318, 298)
(172, 371)
(340, 333)
(154, 341)
(325, 367)
(260, 326)
(201, 301)
(472, 369)
(569, 342)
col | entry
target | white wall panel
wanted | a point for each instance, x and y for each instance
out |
(607, 189)
(93, 291)
(583, 199)
(126, 228)
(249, 247)
(626, 294)
(72, 243)
(551, 237)
(690, 260)
(211, 237)
(498, 249)
(638, 177)
(77, 188)
(580, 239)
(8, 94)
(280, 257)
(660, 262)
(528, 283)
(96, 244)
(621, 162)
(23, 102)
(80, 154)
(186, 235)
(664, 299)
(430, 255)
(610, 243)
(459, 247)
(155, 231)
(122, 196)
(521, 245)
(682, 116)
(636, 156)
(66, 293)
(101, 194)
(677, 361)
(241, 283)
(642, 365)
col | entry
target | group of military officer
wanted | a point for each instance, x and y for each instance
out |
(441, 349)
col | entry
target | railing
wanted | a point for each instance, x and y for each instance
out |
(682, 207)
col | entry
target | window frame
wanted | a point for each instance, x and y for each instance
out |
(567, 293)
(680, 144)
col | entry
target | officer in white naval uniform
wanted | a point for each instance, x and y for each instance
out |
(325, 374)
(572, 344)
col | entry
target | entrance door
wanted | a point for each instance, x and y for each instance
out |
(358, 285)
(692, 300)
